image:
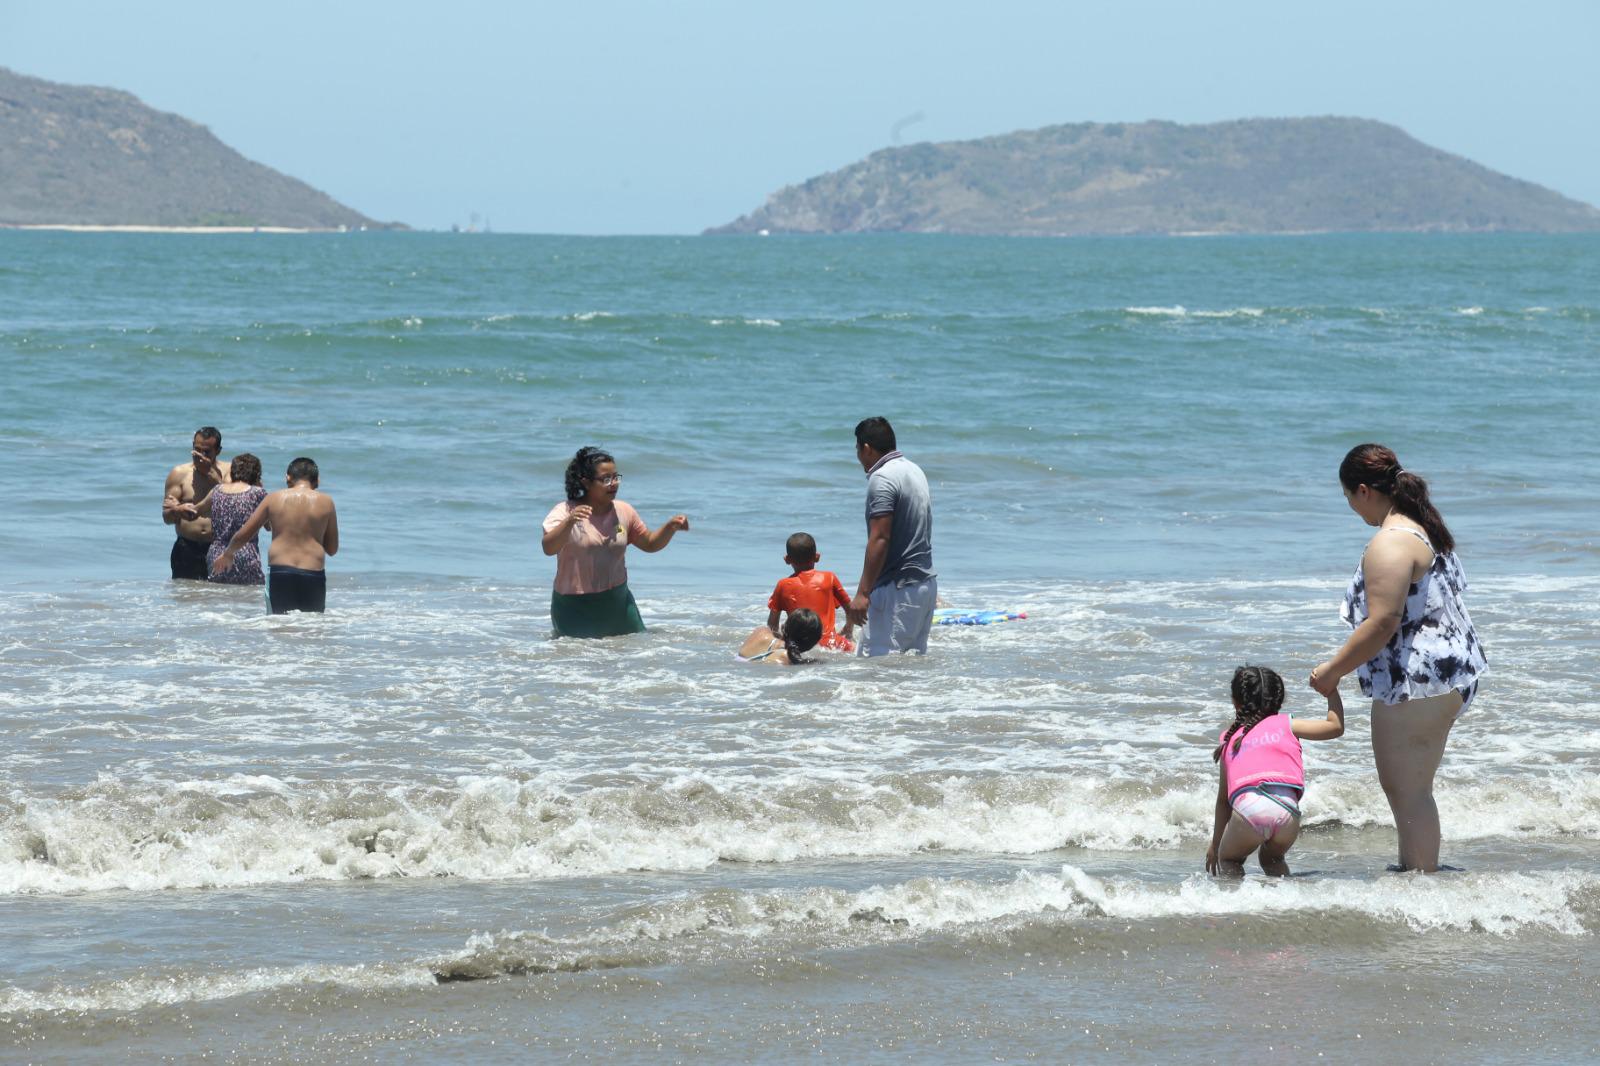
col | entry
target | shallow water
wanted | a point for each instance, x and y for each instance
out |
(417, 826)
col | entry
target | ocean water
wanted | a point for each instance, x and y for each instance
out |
(418, 827)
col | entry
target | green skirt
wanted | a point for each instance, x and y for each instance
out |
(596, 614)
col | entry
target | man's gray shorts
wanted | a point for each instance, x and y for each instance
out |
(899, 618)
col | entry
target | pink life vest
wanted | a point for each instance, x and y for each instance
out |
(1270, 753)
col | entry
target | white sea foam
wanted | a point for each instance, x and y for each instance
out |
(1470, 311)
(144, 991)
(1233, 312)
(751, 923)
(1170, 312)
(267, 832)
(745, 922)
(164, 837)
(1499, 903)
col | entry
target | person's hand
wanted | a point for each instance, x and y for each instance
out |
(1323, 680)
(224, 561)
(1211, 859)
(580, 513)
(204, 464)
(678, 523)
(857, 611)
(186, 511)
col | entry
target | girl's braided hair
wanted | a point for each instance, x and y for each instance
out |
(1257, 694)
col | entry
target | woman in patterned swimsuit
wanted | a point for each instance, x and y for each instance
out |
(230, 506)
(1413, 646)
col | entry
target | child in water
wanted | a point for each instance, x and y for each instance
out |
(786, 647)
(808, 587)
(1262, 775)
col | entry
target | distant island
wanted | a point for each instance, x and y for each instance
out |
(81, 157)
(1275, 175)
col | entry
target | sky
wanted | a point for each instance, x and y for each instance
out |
(608, 117)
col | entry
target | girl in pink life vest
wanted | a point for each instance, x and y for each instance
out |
(1262, 777)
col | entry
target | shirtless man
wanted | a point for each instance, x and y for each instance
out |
(188, 484)
(305, 531)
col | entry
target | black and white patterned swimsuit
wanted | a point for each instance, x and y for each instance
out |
(1435, 649)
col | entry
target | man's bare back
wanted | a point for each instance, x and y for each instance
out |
(304, 525)
(305, 531)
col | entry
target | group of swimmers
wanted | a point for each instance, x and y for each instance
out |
(219, 508)
(1412, 645)
(590, 531)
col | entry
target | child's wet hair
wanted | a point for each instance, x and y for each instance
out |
(304, 469)
(800, 547)
(1257, 693)
(800, 634)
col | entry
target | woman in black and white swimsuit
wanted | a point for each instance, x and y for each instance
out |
(1413, 647)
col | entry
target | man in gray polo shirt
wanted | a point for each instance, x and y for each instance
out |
(898, 588)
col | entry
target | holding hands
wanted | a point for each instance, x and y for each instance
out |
(1324, 680)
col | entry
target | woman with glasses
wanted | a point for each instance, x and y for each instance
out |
(589, 534)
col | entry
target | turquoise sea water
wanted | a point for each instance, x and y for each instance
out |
(211, 814)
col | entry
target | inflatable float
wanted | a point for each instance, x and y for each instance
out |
(960, 616)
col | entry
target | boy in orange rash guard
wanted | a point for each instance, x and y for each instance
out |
(816, 590)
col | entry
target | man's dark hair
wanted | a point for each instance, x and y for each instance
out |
(303, 469)
(877, 432)
(210, 433)
(801, 546)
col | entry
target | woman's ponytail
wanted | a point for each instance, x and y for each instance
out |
(1378, 468)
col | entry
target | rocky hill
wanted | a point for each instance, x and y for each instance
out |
(1288, 175)
(73, 154)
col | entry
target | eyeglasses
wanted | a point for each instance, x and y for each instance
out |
(608, 480)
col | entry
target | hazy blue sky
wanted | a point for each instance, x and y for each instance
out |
(669, 117)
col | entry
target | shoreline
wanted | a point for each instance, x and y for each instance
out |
(76, 227)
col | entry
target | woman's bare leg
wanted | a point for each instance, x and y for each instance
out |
(1407, 745)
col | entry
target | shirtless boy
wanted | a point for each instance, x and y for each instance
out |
(305, 531)
(189, 483)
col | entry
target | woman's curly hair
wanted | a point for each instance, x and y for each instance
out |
(582, 469)
(245, 468)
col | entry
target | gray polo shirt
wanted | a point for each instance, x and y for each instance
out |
(896, 485)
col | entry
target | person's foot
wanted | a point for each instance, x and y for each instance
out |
(1442, 868)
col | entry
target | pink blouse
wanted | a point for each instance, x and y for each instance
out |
(591, 558)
